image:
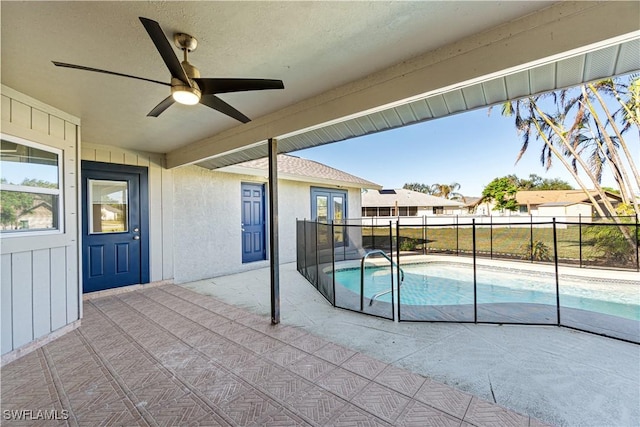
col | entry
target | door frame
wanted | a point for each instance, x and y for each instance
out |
(265, 241)
(143, 173)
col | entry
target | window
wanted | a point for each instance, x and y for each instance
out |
(108, 202)
(438, 210)
(384, 211)
(30, 183)
(369, 211)
(523, 209)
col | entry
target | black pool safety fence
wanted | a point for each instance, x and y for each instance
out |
(572, 273)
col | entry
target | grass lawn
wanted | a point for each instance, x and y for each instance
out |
(511, 242)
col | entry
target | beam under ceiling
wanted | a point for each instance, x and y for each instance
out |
(562, 30)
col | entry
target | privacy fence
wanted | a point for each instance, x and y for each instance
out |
(537, 271)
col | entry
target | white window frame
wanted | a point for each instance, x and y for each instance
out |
(38, 190)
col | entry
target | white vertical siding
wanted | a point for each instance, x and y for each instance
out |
(40, 273)
(22, 298)
(58, 287)
(160, 186)
(41, 280)
(6, 320)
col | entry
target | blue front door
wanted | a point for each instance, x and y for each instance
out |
(253, 223)
(114, 246)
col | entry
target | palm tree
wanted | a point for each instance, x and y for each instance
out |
(447, 191)
(573, 132)
(576, 135)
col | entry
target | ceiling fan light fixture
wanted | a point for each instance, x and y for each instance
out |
(185, 95)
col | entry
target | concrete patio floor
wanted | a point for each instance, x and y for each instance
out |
(166, 355)
(557, 375)
(169, 356)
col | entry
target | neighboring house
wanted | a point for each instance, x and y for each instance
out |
(109, 213)
(37, 218)
(402, 202)
(550, 203)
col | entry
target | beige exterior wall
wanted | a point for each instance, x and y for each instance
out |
(207, 228)
(40, 285)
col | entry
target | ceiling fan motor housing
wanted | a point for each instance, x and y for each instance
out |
(178, 88)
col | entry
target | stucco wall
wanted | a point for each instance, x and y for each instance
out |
(207, 218)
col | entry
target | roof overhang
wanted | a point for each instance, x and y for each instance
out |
(558, 47)
(264, 173)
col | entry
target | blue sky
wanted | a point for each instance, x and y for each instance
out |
(470, 148)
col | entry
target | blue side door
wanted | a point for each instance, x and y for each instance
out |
(114, 246)
(253, 223)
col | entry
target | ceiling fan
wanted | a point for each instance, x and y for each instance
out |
(187, 87)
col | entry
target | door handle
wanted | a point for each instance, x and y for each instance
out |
(136, 237)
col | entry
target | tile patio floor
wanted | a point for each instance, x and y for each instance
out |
(172, 357)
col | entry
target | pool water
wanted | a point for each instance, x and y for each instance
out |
(446, 284)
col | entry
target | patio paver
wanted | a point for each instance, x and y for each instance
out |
(170, 356)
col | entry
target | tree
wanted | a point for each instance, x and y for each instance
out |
(578, 128)
(447, 191)
(502, 192)
(13, 204)
(419, 187)
(535, 182)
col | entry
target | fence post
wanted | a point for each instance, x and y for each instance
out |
(555, 262)
(393, 311)
(457, 243)
(426, 236)
(373, 235)
(345, 237)
(580, 237)
(333, 262)
(317, 258)
(531, 237)
(491, 236)
(637, 246)
(304, 231)
(475, 295)
(424, 239)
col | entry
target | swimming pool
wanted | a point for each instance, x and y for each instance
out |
(446, 284)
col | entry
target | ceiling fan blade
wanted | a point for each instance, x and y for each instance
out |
(218, 104)
(159, 109)
(113, 73)
(164, 48)
(210, 86)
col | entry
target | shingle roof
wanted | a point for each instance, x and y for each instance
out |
(530, 197)
(292, 167)
(383, 198)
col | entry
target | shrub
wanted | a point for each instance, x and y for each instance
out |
(611, 243)
(537, 250)
(408, 244)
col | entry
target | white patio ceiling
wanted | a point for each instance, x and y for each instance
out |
(349, 68)
(617, 59)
